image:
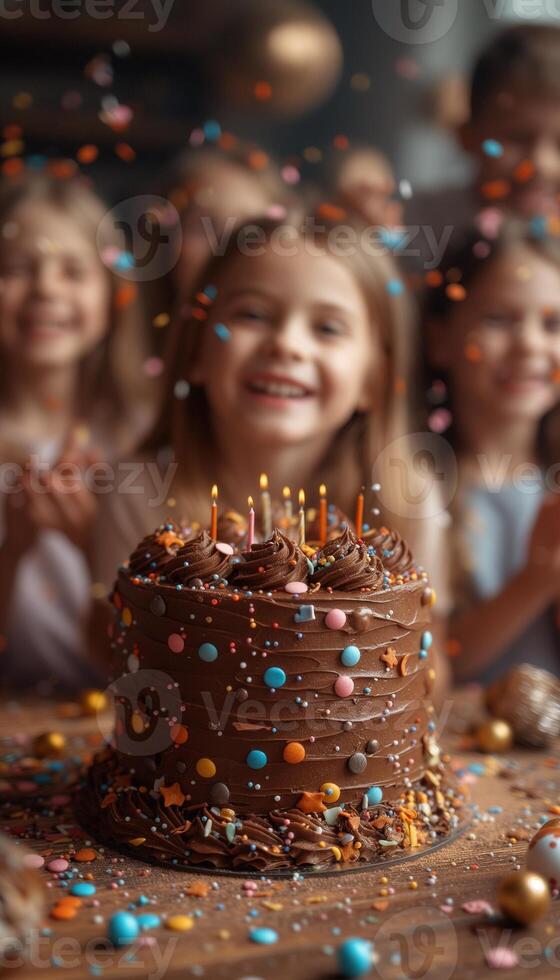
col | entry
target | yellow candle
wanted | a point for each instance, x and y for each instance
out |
(288, 512)
(301, 526)
(323, 514)
(266, 507)
(214, 513)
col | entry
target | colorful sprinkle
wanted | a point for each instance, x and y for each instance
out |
(331, 792)
(294, 752)
(354, 957)
(208, 652)
(335, 619)
(374, 795)
(83, 889)
(426, 640)
(206, 768)
(274, 677)
(123, 929)
(179, 923)
(256, 759)
(264, 936)
(343, 686)
(295, 588)
(176, 643)
(350, 656)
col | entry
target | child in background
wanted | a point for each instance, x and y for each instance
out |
(71, 391)
(512, 136)
(214, 188)
(493, 337)
(298, 361)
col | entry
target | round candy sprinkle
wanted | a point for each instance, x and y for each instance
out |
(263, 935)
(224, 548)
(335, 619)
(219, 793)
(123, 929)
(295, 588)
(374, 795)
(331, 792)
(57, 865)
(256, 759)
(180, 923)
(157, 606)
(294, 752)
(357, 762)
(208, 652)
(148, 920)
(274, 677)
(343, 686)
(85, 854)
(176, 643)
(426, 640)
(350, 656)
(83, 889)
(33, 860)
(206, 768)
(354, 957)
(372, 746)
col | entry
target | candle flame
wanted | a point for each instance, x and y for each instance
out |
(263, 481)
(286, 493)
(250, 502)
(214, 492)
(322, 490)
(301, 498)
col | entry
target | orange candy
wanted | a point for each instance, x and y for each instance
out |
(85, 854)
(294, 752)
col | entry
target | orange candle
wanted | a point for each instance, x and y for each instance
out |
(359, 513)
(301, 526)
(214, 513)
(323, 514)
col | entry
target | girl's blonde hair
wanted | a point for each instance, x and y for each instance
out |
(185, 425)
(113, 389)
(462, 264)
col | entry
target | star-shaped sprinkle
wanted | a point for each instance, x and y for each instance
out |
(311, 803)
(390, 657)
(172, 795)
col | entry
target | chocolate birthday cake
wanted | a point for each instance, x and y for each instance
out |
(273, 705)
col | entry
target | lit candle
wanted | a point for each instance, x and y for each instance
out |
(301, 526)
(251, 525)
(288, 512)
(323, 514)
(360, 513)
(214, 514)
(266, 507)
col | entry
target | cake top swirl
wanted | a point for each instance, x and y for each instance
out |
(271, 564)
(345, 564)
(153, 552)
(200, 560)
(393, 551)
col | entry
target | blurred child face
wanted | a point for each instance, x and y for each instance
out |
(223, 192)
(501, 345)
(529, 132)
(300, 352)
(54, 291)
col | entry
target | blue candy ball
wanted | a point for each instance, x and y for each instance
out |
(274, 677)
(350, 656)
(354, 957)
(264, 936)
(426, 640)
(123, 929)
(208, 652)
(374, 795)
(83, 889)
(256, 759)
(148, 920)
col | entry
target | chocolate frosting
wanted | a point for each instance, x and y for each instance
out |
(344, 564)
(392, 549)
(271, 565)
(198, 559)
(155, 549)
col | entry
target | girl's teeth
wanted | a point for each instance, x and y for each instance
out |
(278, 390)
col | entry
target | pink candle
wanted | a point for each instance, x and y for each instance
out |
(251, 527)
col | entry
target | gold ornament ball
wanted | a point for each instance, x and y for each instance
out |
(49, 744)
(523, 896)
(93, 701)
(494, 736)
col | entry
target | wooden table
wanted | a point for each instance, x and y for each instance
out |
(413, 911)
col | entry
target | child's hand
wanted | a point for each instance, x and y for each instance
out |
(61, 501)
(544, 543)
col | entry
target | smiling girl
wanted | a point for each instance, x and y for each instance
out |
(494, 333)
(70, 387)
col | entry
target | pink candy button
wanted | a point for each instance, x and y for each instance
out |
(176, 643)
(295, 588)
(57, 865)
(343, 686)
(335, 619)
(225, 549)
